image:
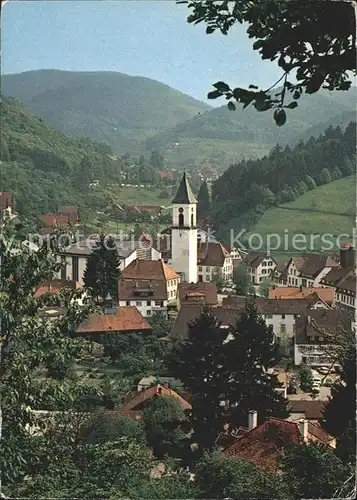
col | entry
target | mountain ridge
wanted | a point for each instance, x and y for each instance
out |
(137, 114)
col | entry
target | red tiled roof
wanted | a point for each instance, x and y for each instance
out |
(265, 444)
(188, 292)
(126, 319)
(326, 294)
(149, 269)
(156, 390)
(56, 286)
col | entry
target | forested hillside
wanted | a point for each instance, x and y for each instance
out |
(107, 106)
(136, 115)
(43, 168)
(246, 190)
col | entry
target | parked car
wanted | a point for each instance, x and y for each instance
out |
(324, 370)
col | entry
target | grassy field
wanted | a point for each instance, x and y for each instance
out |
(129, 195)
(321, 215)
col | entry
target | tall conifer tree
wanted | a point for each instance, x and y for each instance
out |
(102, 271)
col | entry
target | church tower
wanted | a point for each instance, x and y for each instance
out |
(184, 233)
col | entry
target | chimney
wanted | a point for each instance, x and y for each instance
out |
(303, 428)
(252, 419)
(347, 256)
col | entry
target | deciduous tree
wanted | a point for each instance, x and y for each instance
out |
(314, 44)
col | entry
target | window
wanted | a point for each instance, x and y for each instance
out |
(181, 217)
(148, 312)
(208, 277)
(192, 220)
(282, 328)
(283, 316)
(75, 274)
(200, 278)
(264, 263)
(138, 304)
(64, 272)
(157, 303)
(148, 303)
(128, 302)
(200, 268)
(268, 316)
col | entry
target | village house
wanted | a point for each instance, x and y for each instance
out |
(315, 333)
(214, 263)
(135, 401)
(315, 267)
(260, 266)
(326, 295)
(68, 218)
(342, 278)
(149, 285)
(76, 255)
(307, 409)
(193, 293)
(281, 315)
(56, 286)
(119, 320)
(287, 273)
(265, 444)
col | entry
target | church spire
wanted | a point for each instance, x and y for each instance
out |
(184, 195)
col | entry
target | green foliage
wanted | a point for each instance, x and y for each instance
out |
(214, 370)
(264, 287)
(241, 279)
(306, 378)
(310, 183)
(140, 355)
(250, 187)
(314, 471)
(282, 31)
(339, 414)
(121, 119)
(102, 272)
(204, 203)
(29, 340)
(163, 417)
(325, 176)
(106, 426)
(221, 477)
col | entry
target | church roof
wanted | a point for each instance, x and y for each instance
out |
(184, 193)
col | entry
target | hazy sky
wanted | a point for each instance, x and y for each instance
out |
(138, 37)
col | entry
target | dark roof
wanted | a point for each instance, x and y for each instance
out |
(212, 253)
(315, 263)
(316, 322)
(207, 290)
(348, 283)
(269, 306)
(254, 259)
(126, 319)
(189, 312)
(313, 410)
(133, 289)
(184, 193)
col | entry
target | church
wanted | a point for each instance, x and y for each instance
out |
(188, 249)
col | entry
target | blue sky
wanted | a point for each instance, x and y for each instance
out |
(138, 37)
